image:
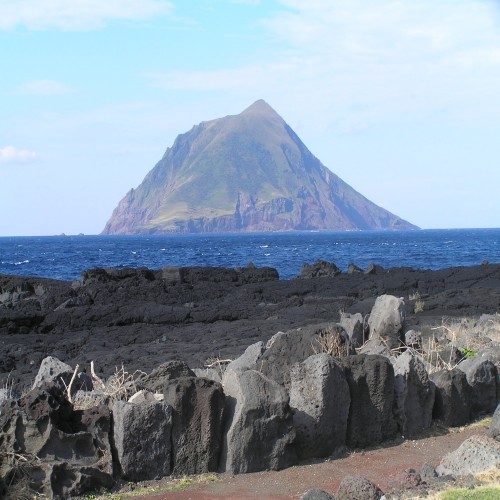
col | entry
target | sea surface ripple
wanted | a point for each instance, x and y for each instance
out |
(65, 257)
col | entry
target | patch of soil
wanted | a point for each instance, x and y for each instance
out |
(376, 464)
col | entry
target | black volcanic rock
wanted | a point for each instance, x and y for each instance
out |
(142, 318)
(247, 172)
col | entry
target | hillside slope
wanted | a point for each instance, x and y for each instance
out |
(247, 172)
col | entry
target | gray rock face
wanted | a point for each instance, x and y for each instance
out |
(482, 377)
(248, 359)
(284, 350)
(358, 488)
(209, 373)
(494, 430)
(319, 269)
(353, 268)
(371, 385)
(375, 346)
(353, 325)
(142, 397)
(197, 407)
(69, 481)
(259, 429)
(43, 424)
(53, 371)
(320, 399)
(142, 435)
(387, 320)
(414, 394)
(161, 375)
(452, 401)
(476, 454)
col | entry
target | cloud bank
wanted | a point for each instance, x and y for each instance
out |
(367, 62)
(43, 88)
(77, 14)
(10, 154)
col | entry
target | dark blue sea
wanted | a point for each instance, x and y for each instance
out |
(64, 257)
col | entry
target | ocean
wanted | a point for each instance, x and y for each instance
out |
(65, 257)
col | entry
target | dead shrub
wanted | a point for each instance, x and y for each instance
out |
(331, 343)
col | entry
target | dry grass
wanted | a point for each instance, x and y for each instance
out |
(419, 306)
(120, 386)
(20, 467)
(331, 343)
(8, 386)
(157, 488)
(471, 333)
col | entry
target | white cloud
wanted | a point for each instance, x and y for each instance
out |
(243, 78)
(76, 14)
(367, 62)
(10, 154)
(43, 87)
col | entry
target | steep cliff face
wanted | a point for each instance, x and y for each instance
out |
(248, 172)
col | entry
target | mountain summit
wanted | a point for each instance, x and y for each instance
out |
(247, 172)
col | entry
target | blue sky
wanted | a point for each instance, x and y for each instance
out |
(398, 98)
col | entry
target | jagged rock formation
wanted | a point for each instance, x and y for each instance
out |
(247, 172)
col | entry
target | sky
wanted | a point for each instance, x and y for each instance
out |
(399, 98)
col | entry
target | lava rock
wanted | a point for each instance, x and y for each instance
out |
(259, 431)
(320, 399)
(371, 386)
(197, 407)
(452, 401)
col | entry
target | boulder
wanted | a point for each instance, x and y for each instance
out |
(371, 386)
(333, 340)
(197, 408)
(406, 480)
(374, 269)
(53, 371)
(414, 394)
(319, 398)
(259, 431)
(476, 454)
(142, 397)
(494, 430)
(354, 326)
(387, 320)
(248, 359)
(142, 434)
(209, 373)
(375, 346)
(482, 378)
(69, 480)
(161, 375)
(316, 494)
(43, 424)
(353, 268)
(358, 488)
(428, 474)
(452, 400)
(319, 269)
(283, 350)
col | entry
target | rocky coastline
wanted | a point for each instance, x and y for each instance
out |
(137, 374)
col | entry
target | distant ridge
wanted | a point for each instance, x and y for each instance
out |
(246, 172)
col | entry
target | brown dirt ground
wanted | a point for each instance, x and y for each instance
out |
(376, 464)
